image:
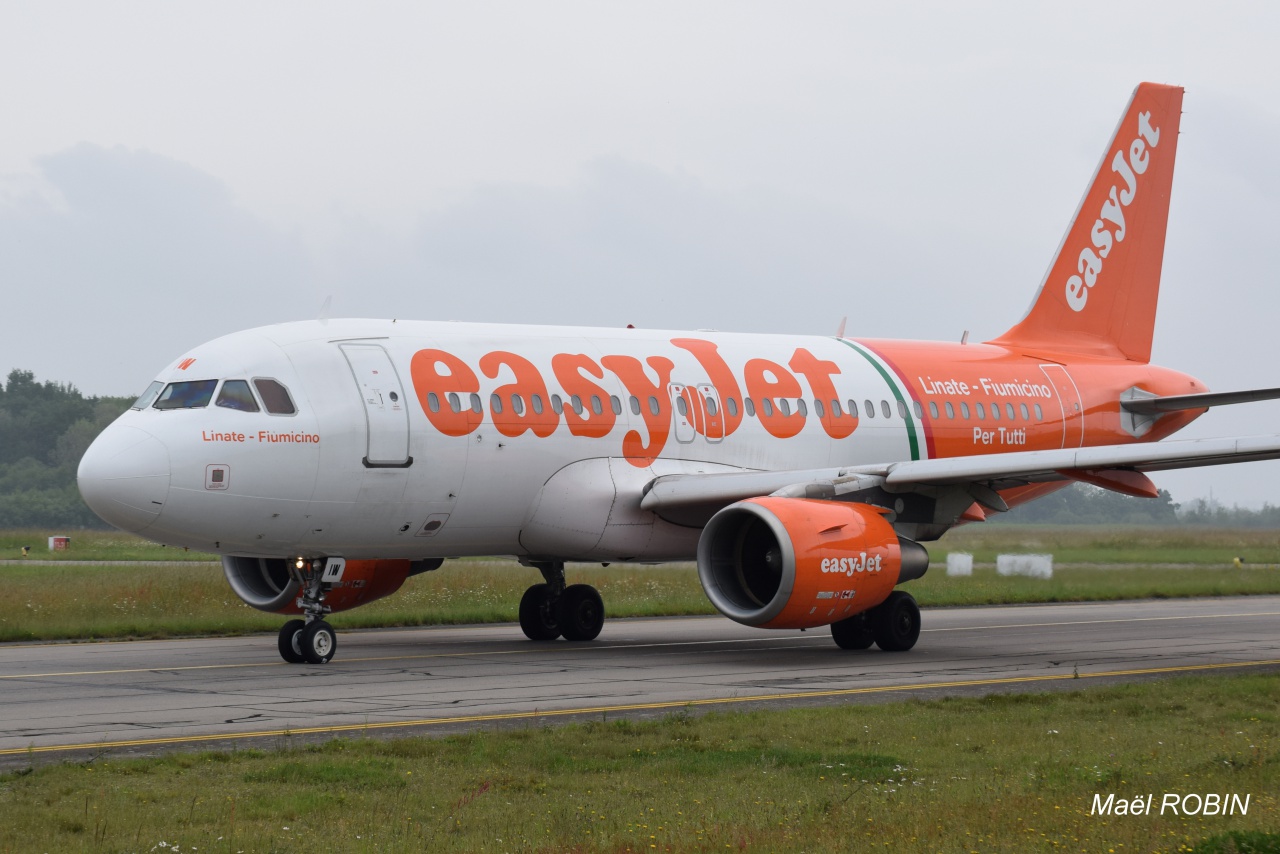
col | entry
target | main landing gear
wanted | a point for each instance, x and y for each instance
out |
(893, 625)
(552, 609)
(311, 640)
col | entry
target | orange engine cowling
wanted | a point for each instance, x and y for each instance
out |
(794, 563)
(265, 583)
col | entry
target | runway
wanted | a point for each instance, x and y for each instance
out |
(63, 700)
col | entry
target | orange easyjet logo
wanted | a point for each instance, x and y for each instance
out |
(448, 390)
(1108, 228)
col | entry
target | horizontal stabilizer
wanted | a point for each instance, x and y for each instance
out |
(1177, 403)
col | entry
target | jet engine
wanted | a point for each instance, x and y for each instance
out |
(794, 563)
(268, 584)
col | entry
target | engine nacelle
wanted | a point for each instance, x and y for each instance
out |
(794, 563)
(266, 584)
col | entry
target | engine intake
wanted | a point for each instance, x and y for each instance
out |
(797, 563)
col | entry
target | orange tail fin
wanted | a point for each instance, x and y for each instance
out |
(1099, 296)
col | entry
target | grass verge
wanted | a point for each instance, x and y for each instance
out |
(73, 601)
(155, 601)
(1001, 773)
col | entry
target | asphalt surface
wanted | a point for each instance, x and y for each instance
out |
(68, 701)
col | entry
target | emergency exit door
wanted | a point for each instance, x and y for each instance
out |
(385, 410)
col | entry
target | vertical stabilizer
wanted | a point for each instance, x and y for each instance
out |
(1099, 295)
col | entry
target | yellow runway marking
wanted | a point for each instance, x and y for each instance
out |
(602, 647)
(630, 707)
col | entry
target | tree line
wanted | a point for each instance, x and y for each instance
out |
(46, 427)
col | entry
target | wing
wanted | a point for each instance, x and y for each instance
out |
(951, 485)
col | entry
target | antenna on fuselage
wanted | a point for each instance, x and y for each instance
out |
(840, 328)
(323, 316)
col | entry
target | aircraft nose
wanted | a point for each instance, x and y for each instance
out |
(124, 477)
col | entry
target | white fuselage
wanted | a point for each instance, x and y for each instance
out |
(376, 462)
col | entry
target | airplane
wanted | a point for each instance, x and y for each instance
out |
(328, 461)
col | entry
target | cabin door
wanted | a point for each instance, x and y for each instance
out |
(386, 412)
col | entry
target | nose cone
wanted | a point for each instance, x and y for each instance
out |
(124, 477)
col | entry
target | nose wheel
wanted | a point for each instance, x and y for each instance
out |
(312, 640)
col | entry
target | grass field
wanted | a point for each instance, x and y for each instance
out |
(75, 600)
(1003, 773)
(90, 545)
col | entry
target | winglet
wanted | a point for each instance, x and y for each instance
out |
(1099, 295)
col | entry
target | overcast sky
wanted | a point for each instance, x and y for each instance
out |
(173, 172)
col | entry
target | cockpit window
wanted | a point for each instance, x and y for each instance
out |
(275, 397)
(189, 395)
(145, 399)
(236, 394)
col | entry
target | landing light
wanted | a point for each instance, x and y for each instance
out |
(300, 563)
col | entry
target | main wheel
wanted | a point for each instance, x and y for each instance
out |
(853, 633)
(290, 634)
(895, 622)
(581, 613)
(318, 642)
(538, 619)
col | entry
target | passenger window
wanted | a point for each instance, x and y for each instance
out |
(236, 394)
(1026, 416)
(475, 403)
(902, 410)
(802, 407)
(784, 405)
(853, 408)
(517, 404)
(995, 412)
(535, 402)
(654, 408)
(819, 409)
(870, 408)
(682, 407)
(982, 411)
(596, 406)
(915, 404)
(433, 401)
(1008, 410)
(951, 410)
(712, 409)
(455, 402)
(964, 409)
(732, 405)
(635, 405)
(188, 395)
(576, 403)
(751, 407)
(766, 406)
(495, 404)
(835, 408)
(615, 404)
(1039, 413)
(557, 406)
(144, 400)
(275, 397)
(885, 410)
(933, 408)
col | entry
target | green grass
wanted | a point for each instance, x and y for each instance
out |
(1002, 773)
(155, 601)
(90, 545)
(1115, 544)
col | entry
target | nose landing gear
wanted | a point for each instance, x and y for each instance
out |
(552, 610)
(311, 640)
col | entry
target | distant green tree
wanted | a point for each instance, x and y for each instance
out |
(45, 428)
